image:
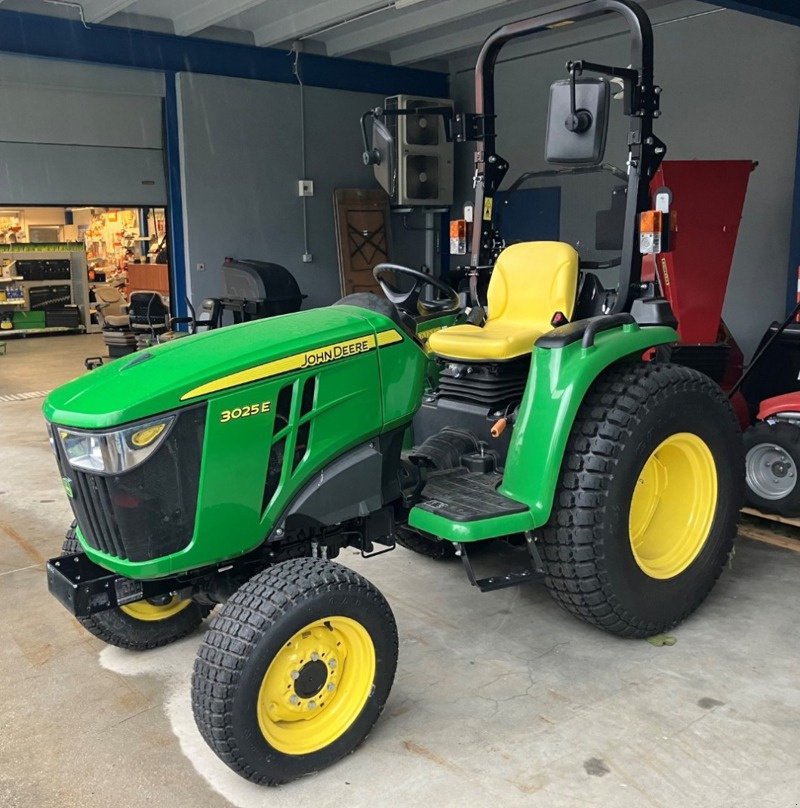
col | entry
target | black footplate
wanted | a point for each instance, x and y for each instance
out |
(464, 496)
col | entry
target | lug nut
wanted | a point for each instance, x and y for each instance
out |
(332, 663)
(312, 705)
(295, 674)
(294, 700)
(331, 687)
(314, 656)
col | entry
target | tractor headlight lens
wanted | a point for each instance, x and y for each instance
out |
(116, 451)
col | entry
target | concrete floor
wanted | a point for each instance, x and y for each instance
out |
(499, 699)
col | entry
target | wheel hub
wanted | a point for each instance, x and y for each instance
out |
(771, 473)
(313, 676)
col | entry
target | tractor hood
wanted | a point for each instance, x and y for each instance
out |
(184, 371)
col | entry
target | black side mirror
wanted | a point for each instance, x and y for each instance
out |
(379, 152)
(577, 121)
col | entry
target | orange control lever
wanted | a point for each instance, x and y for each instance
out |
(499, 427)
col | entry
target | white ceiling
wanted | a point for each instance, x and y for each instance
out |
(401, 32)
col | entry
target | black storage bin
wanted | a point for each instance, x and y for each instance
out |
(65, 317)
(43, 269)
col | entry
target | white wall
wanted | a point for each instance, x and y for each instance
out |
(730, 92)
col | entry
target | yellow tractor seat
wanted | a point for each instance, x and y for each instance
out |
(531, 282)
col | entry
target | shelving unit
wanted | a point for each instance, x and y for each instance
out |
(77, 283)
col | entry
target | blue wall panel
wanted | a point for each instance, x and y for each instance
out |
(38, 35)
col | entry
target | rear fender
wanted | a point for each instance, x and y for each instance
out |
(558, 381)
(769, 407)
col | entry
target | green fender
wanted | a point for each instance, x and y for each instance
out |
(557, 384)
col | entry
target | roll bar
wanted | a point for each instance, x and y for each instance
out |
(641, 104)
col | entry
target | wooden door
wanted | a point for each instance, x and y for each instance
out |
(362, 236)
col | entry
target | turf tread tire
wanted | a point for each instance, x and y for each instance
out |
(577, 563)
(114, 627)
(261, 604)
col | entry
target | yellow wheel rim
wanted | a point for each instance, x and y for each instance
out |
(150, 612)
(316, 686)
(673, 505)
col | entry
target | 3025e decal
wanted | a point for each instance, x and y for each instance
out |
(245, 411)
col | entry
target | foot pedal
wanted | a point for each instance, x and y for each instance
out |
(534, 572)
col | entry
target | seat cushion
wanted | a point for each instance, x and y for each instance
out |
(531, 282)
(117, 320)
(498, 339)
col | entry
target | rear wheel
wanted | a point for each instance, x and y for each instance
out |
(294, 670)
(772, 461)
(144, 624)
(647, 502)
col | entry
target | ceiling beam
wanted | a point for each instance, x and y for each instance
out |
(463, 39)
(400, 23)
(780, 10)
(473, 37)
(211, 12)
(312, 19)
(99, 10)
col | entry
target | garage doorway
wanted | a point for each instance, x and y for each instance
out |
(57, 262)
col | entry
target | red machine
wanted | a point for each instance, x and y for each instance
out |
(708, 200)
(709, 197)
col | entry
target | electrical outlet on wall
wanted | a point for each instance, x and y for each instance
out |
(305, 187)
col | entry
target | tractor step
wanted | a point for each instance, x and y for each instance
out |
(464, 496)
(532, 570)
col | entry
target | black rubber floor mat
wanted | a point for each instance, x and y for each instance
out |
(465, 496)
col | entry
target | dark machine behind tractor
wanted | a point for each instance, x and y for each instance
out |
(231, 467)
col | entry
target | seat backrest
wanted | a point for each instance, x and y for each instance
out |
(533, 280)
(148, 310)
(109, 299)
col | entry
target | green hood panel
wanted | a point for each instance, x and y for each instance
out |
(159, 379)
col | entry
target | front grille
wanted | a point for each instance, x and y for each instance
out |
(92, 506)
(149, 511)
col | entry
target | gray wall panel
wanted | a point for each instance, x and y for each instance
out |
(241, 162)
(37, 174)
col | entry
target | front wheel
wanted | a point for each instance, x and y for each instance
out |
(772, 461)
(144, 624)
(294, 670)
(645, 512)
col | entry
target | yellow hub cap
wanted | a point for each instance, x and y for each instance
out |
(673, 505)
(150, 611)
(316, 686)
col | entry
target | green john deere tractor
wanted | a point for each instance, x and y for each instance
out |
(232, 467)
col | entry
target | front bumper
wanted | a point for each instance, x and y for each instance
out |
(85, 588)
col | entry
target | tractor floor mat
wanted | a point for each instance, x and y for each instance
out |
(465, 496)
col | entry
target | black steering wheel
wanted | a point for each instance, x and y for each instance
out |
(410, 302)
